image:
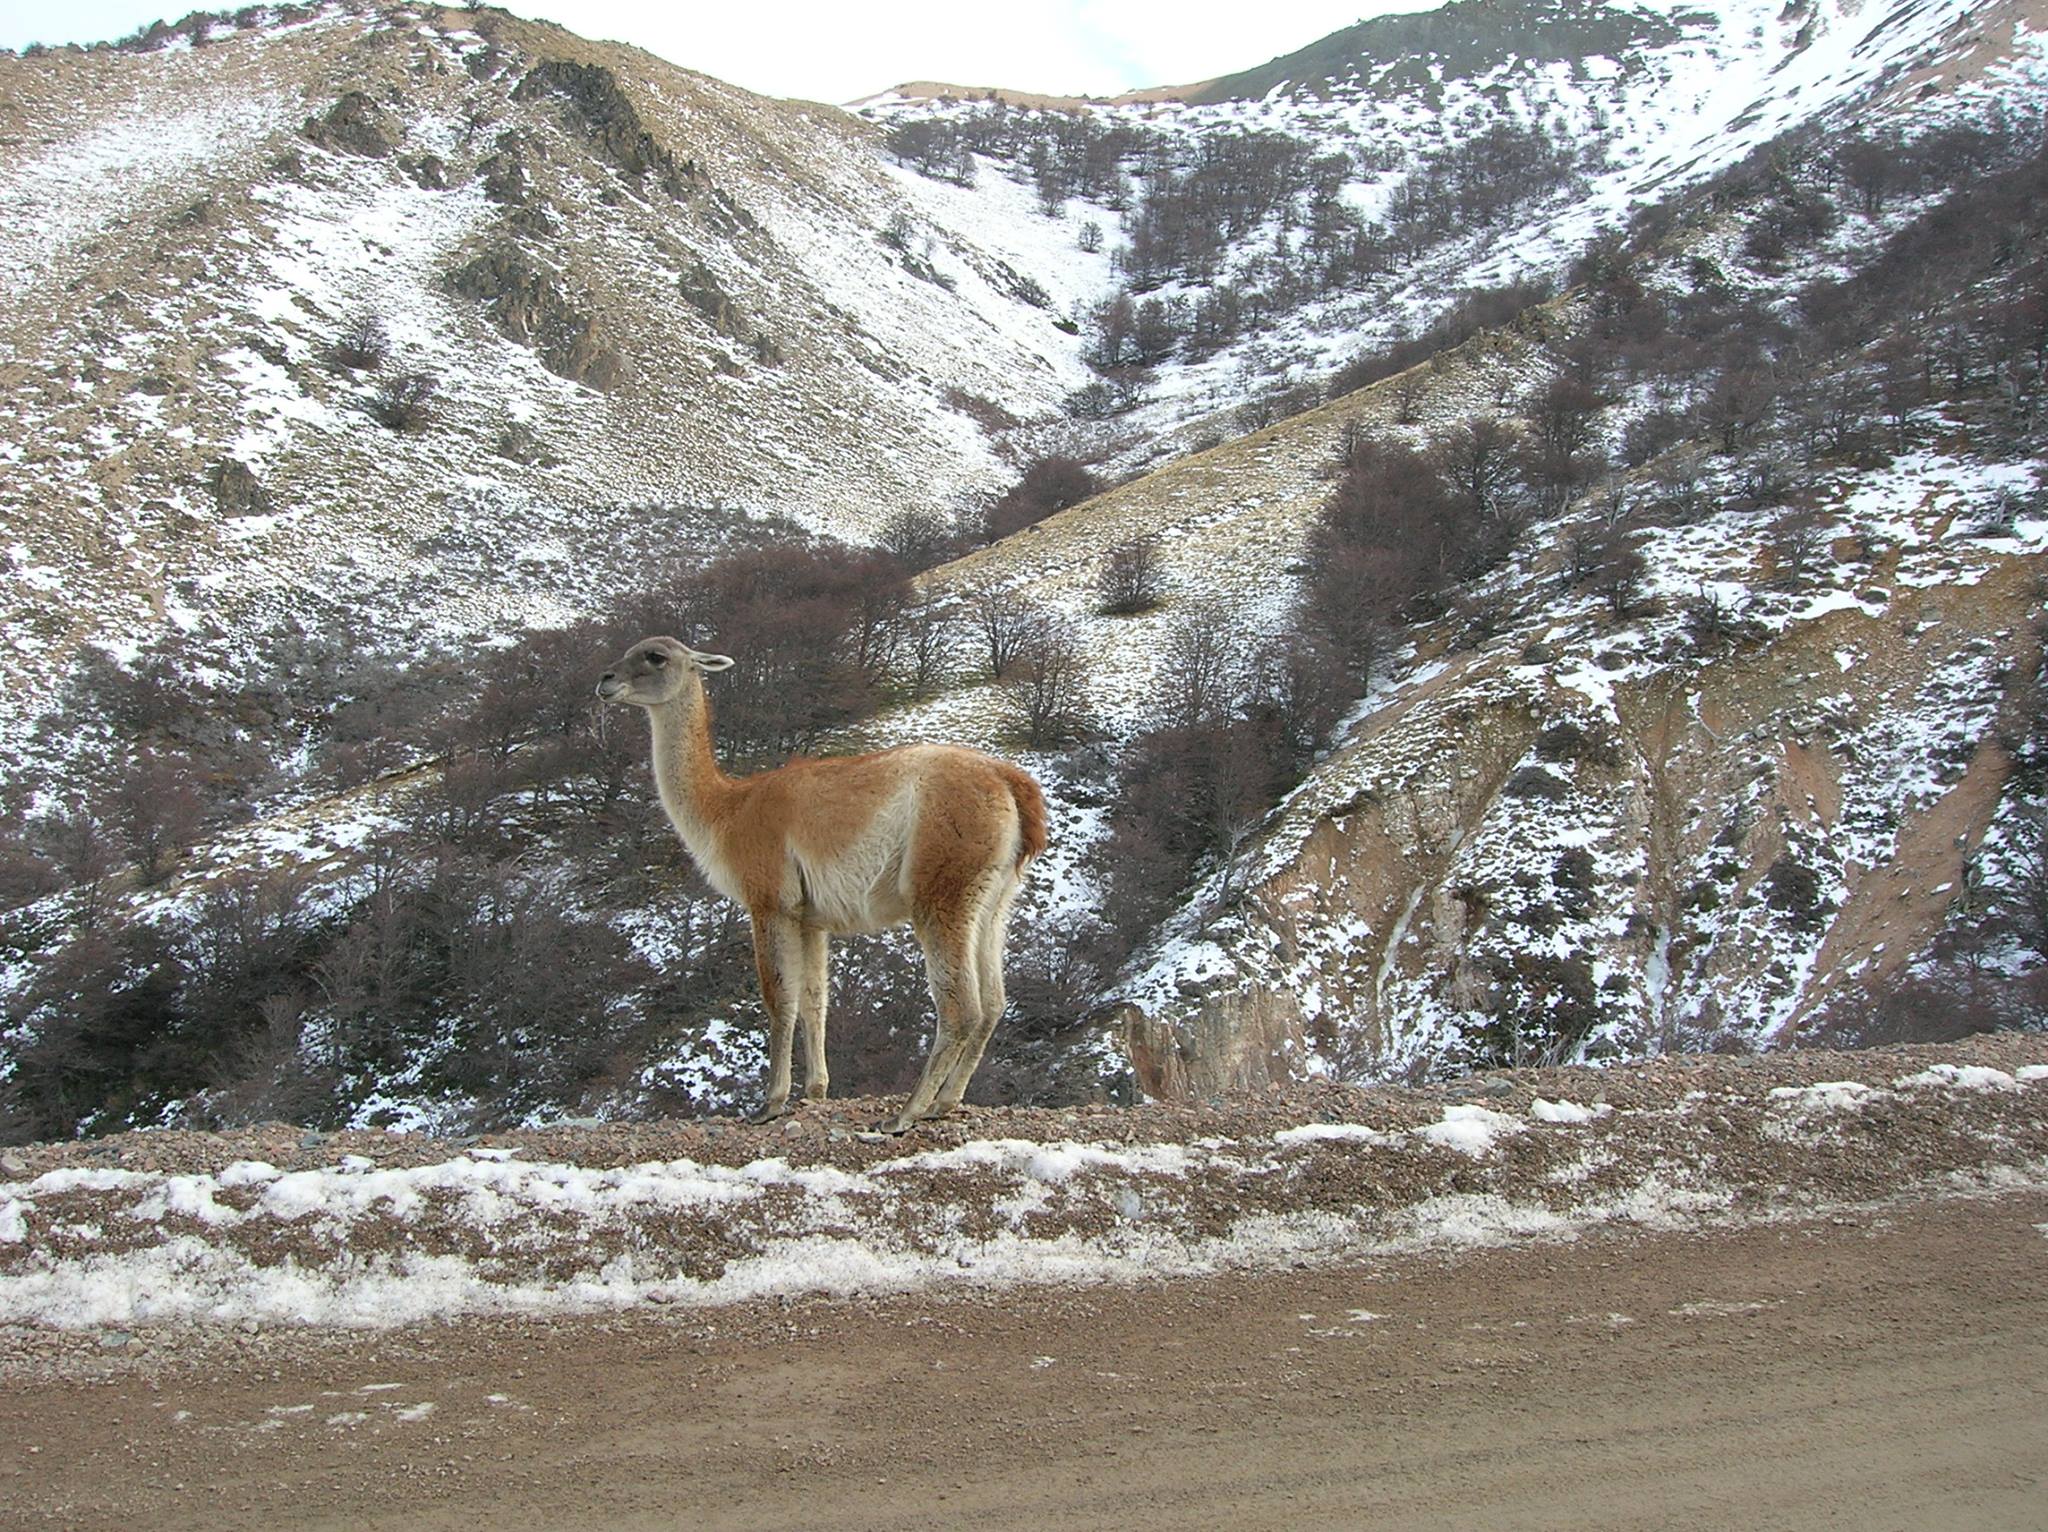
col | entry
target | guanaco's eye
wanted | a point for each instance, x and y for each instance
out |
(657, 658)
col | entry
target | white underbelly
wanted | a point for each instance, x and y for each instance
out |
(863, 889)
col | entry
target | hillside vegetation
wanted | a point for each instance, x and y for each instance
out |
(1482, 586)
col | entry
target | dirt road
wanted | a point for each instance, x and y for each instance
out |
(1886, 1371)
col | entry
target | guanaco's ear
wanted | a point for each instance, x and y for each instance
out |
(711, 661)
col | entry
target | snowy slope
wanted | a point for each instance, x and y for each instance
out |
(1644, 123)
(179, 263)
(778, 357)
(384, 1230)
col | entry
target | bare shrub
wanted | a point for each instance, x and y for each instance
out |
(1799, 546)
(1392, 538)
(1201, 677)
(362, 345)
(1298, 688)
(1049, 484)
(927, 634)
(405, 403)
(1046, 688)
(1713, 624)
(1950, 999)
(1132, 579)
(25, 871)
(158, 808)
(81, 843)
(820, 628)
(1004, 621)
(1619, 578)
(919, 538)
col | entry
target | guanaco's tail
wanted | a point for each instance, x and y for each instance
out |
(1030, 813)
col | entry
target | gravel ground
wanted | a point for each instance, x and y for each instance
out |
(135, 1242)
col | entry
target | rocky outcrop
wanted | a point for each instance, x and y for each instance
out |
(528, 305)
(701, 290)
(236, 489)
(353, 125)
(1718, 854)
(601, 107)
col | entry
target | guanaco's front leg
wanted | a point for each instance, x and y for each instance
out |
(811, 1007)
(778, 959)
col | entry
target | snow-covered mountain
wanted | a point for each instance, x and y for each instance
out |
(659, 314)
(635, 285)
(632, 287)
(1487, 142)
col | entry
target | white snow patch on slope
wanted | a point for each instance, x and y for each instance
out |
(1960, 1077)
(509, 1236)
(53, 203)
(1470, 1129)
(1566, 1111)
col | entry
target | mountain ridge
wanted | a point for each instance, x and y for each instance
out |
(1610, 788)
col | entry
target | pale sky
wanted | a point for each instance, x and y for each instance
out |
(838, 52)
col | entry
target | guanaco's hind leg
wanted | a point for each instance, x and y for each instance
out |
(817, 958)
(956, 996)
(778, 960)
(990, 935)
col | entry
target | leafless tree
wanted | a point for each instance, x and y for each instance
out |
(158, 808)
(1478, 460)
(927, 632)
(405, 402)
(1200, 677)
(1047, 686)
(1620, 578)
(918, 538)
(1005, 621)
(1132, 578)
(362, 344)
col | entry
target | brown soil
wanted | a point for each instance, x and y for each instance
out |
(1871, 1349)
(1882, 1372)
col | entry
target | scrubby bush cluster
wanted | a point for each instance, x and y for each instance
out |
(1225, 234)
(256, 993)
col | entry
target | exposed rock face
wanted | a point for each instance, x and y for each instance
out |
(527, 305)
(1720, 851)
(236, 489)
(504, 174)
(428, 170)
(353, 125)
(596, 100)
(702, 292)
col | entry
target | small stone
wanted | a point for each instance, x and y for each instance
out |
(13, 1164)
(115, 1340)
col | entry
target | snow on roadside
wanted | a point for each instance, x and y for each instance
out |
(357, 1244)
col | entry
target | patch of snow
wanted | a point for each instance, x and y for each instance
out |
(1567, 1111)
(1826, 1096)
(1332, 1132)
(1959, 1077)
(1470, 1129)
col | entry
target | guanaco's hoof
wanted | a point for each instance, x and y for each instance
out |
(769, 1114)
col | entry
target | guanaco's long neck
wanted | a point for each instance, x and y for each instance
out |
(693, 789)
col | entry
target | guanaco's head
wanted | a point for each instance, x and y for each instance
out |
(655, 671)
